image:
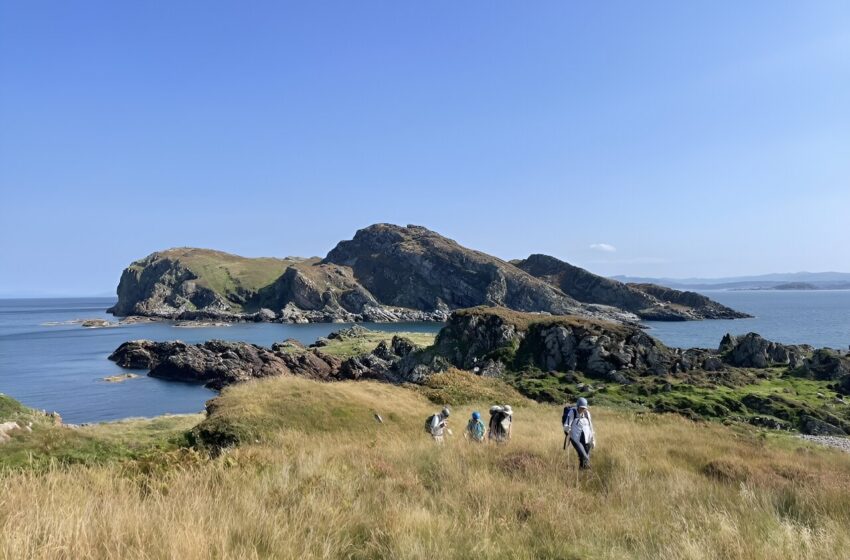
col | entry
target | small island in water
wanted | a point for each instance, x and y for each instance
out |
(388, 273)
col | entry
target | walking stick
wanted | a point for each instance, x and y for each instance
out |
(565, 442)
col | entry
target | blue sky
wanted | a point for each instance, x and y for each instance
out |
(644, 138)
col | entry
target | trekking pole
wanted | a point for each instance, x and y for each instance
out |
(565, 442)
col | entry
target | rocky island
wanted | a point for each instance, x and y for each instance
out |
(386, 273)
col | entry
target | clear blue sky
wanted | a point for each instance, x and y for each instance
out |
(643, 138)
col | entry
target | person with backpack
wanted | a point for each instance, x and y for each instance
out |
(501, 420)
(578, 427)
(475, 429)
(437, 425)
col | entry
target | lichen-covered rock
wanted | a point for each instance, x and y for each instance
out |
(479, 336)
(753, 350)
(366, 366)
(827, 364)
(816, 427)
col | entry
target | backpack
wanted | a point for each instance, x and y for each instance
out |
(566, 413)
(476, 429)
(505, 422)
(499, 426)
(428, 422)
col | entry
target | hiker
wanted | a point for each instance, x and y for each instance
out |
(437, 425)
(501, 421)
(475, 429)
(578, 427)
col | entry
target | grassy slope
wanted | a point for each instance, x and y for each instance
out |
(366, 342)
(225, 273)
(13, 411)
(49, 445)
(325, 480)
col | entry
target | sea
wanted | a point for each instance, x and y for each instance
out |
(50, 362)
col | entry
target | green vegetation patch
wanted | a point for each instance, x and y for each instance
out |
(10, 409)
(462, 387)
(49, 445)
(227, 274)
(771, 398)
(366, 341)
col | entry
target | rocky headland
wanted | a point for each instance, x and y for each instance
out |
(386, 273)
(648, 301)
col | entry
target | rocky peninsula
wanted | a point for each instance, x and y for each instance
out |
(549, 359)
(386, 273)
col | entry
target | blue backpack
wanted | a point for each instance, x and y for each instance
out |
(476, 429)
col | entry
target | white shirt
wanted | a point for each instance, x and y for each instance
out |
(576, 425)
(438, 425)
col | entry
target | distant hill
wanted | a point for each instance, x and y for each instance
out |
(386, 273)
(813, 281)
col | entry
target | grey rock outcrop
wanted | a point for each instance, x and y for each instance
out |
(219, 363)
(160, 286)
(415, 268)
(753, 350)
(827, 364)
(493, 340)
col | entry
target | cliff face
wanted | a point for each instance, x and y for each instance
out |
(497, 340)
(648, 301)
(385, 273)
(420, 269)
(160, 285)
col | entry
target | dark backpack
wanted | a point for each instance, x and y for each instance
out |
(496, 423)
(428, 424)
(566, 413)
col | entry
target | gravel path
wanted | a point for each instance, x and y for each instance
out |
(841, 443)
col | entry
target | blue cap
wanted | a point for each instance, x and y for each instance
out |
(476, 415)
(582, 402)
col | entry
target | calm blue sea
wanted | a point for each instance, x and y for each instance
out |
(61, 366)
(54, 366)
(819, 318)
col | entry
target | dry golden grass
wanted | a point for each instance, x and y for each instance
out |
(661, 487)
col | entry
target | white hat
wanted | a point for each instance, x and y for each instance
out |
(507, 408)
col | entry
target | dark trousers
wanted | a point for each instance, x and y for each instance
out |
(583, 451)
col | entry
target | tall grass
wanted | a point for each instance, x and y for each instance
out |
(318, 487)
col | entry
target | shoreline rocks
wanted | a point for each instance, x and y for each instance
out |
(753, 350)
(218, 363)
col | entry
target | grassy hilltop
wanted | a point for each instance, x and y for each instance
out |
(316, 476)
